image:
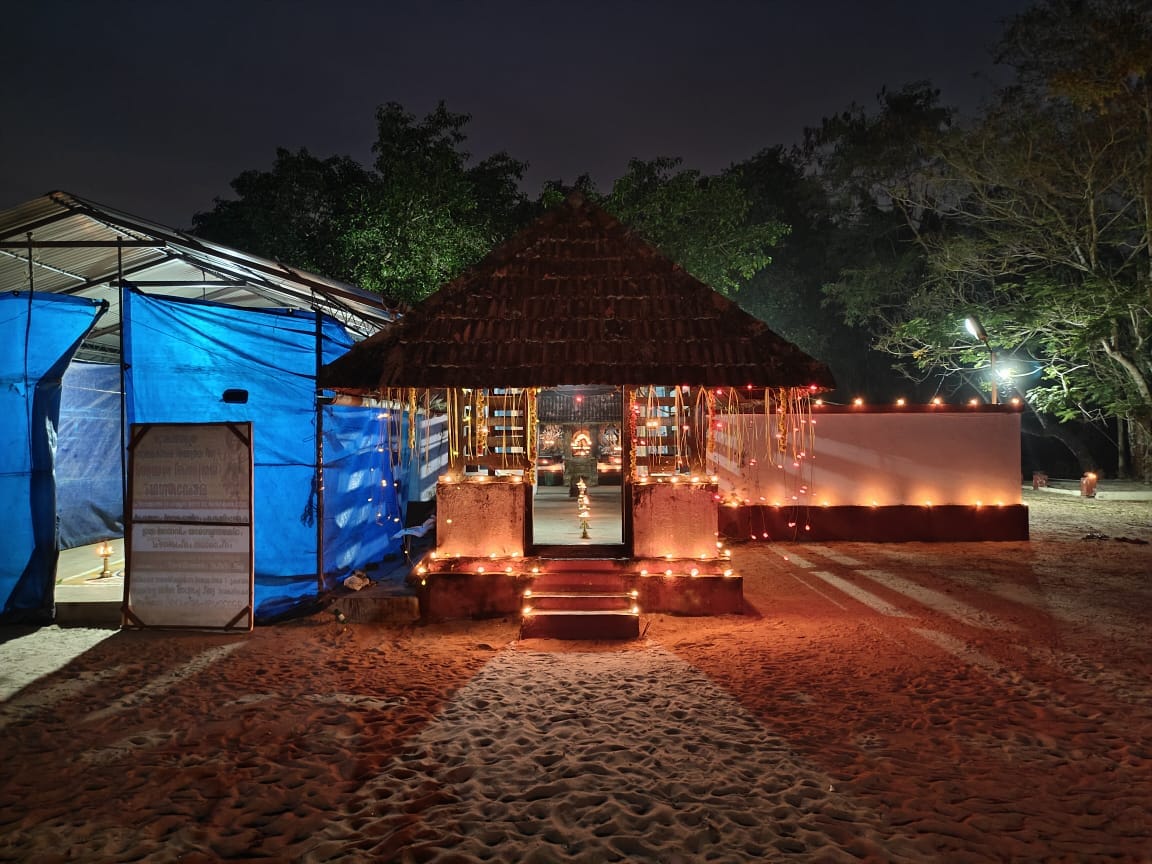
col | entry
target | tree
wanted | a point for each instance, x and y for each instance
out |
(873, 269)
(1037, 219)
(789, 295)
(403, 228)
(702, 223)
(291, 213)
(426, 215)
(1047, 203)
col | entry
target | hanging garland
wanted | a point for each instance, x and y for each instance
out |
(530, 435)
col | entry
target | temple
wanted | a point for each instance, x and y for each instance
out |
(585, 379)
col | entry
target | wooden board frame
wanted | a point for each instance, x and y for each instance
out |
(189, 532)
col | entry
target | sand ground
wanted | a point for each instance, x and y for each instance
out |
(880, 702)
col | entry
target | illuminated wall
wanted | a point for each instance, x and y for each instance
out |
(674, 520)
(874, 458)
(481, 518)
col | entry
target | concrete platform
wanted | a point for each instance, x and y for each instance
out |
(1106, 490)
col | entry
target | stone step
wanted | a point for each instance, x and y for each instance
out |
(592, 563)
(569, 582)
(605, 625)
(371, 608)
(579, 601)
(88, 614)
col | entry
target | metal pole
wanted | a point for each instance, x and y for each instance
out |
(992, 372)
(319, 456)
(123, 393)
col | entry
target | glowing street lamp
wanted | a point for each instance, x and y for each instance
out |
(972, 325)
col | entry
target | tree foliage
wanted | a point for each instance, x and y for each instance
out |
(789, 294)
(427, 215)
(292, 213)
(703, 223)
(410, 223)
(1036, 218)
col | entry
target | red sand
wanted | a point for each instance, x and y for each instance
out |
(885, 702)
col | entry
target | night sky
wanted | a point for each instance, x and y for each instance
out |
(153, 107)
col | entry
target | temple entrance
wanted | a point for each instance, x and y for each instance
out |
(578, 500)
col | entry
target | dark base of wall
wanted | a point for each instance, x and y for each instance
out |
(940, 523)
(462, 594)
(471, 595)
(692, 595)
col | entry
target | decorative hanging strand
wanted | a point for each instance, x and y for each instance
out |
(530, 435)
(630, 401)
(682, 456)
(412, 422)
(480, 423)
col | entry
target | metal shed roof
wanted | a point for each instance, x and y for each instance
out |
(64, 244)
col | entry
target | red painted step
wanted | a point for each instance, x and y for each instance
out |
(581, 599)
(568, 624)
(579, 602)
(570, 582)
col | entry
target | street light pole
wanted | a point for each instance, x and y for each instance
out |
(973, 325)
(993, 373)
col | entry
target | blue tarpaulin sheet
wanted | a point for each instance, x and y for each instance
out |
(89, 468)
(39, 333)
(183, 355)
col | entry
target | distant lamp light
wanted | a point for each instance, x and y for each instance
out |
(104, 550)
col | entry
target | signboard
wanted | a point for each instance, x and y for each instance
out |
(189, 541)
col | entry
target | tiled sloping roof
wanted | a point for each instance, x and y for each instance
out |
(575, 298)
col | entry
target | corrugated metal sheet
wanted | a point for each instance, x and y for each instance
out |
(170, 256)
(576, 299)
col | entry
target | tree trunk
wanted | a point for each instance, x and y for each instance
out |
(1140, 444)
(1066, 436)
